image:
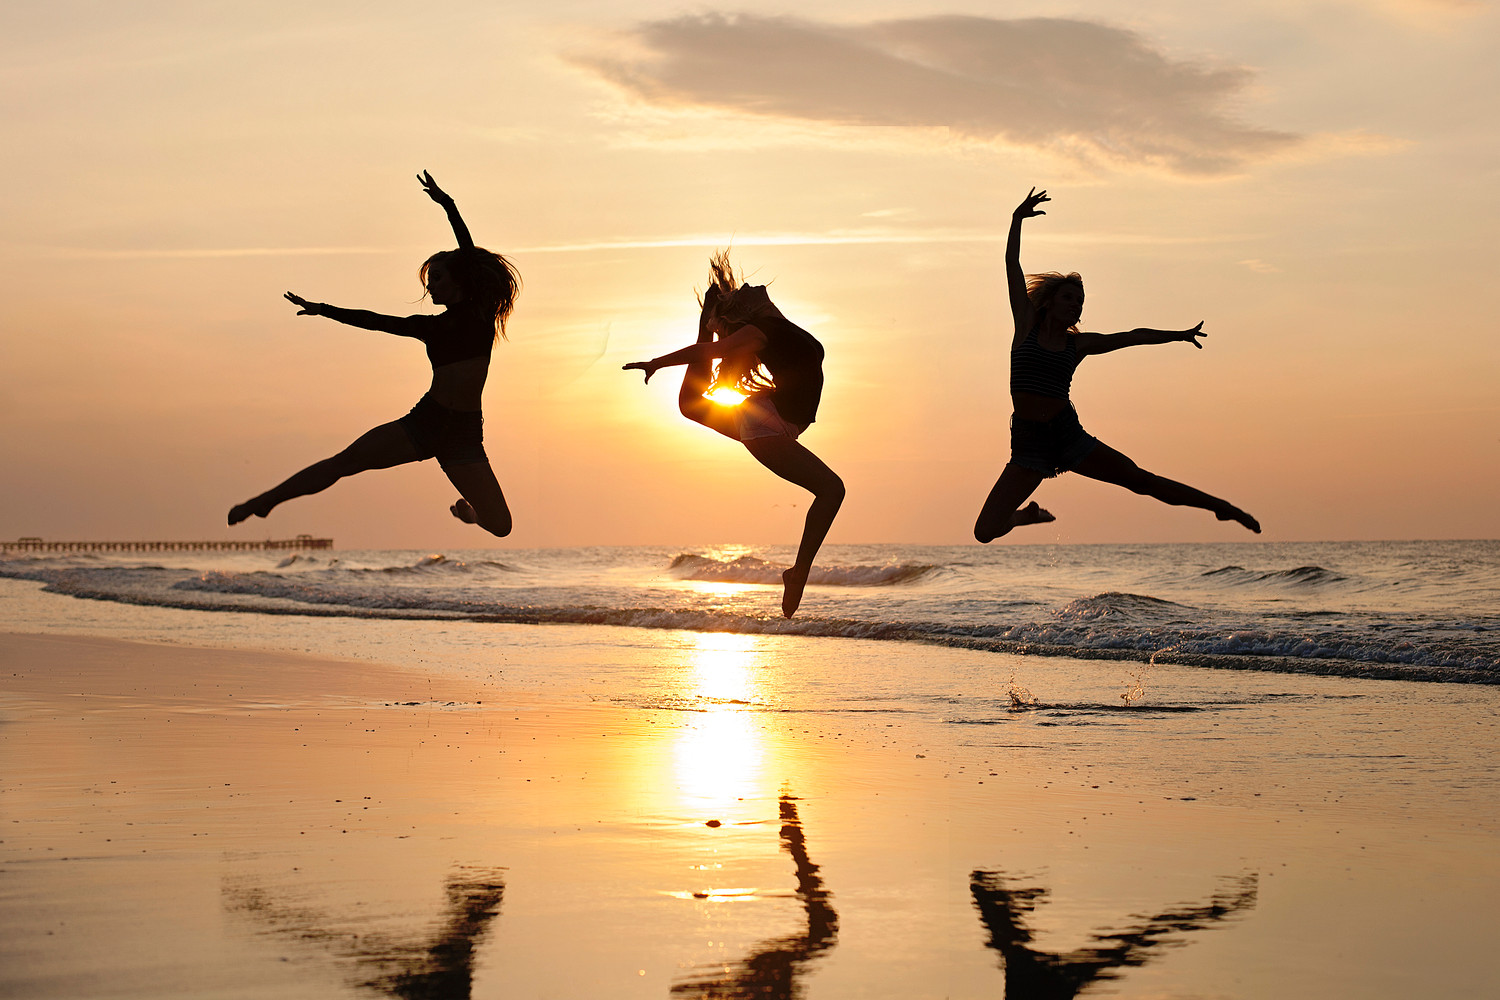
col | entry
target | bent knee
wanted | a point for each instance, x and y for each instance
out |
(694, 408)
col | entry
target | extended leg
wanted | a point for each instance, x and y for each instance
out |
(1002, 509)
(381, 448)
(1109, 466)
(794, 463)
(481, 500)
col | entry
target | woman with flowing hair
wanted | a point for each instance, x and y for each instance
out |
(477, 290)
(746, 345)
(1046, 438)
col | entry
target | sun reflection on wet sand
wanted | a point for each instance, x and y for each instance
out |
(720, 755)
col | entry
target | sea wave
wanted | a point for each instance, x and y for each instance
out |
(1114, 605)
(1110, 625)
(749, 569)
(1306, 576)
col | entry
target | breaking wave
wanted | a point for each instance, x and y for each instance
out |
(749, 569)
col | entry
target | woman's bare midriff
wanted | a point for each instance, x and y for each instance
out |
(459, 385)
(1030, 406)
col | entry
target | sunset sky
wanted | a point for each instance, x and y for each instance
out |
(1316, 180)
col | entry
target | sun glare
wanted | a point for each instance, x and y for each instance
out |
(719, 755)
(726, 396)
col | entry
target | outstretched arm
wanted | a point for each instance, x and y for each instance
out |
(746, 338)
(437, 194)
(400, 326)
(1015, 278)
(1103, 343)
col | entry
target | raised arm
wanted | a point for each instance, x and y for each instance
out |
(1103, 343)
(1015, 278)
(400, 326)
(443, 198)
(746, 338)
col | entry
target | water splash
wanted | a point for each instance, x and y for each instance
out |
(1020, 695)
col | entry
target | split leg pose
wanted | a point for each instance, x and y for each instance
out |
(477, 290)
(1045, 434)
(745, 344)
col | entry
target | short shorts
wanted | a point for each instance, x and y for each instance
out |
(453, 437)
(1050, 446)
(756, 417)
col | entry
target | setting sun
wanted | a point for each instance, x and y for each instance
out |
(726, 396)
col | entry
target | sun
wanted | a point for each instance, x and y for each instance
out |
(725, 396)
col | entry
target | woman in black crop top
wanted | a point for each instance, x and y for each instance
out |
(1046, 438)
(764, 392)
(477, 289)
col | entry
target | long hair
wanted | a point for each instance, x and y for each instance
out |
(490, 282)
(738, 304)
(1041, 288)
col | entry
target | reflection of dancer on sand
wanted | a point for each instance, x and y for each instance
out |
(1045, 436)
(437, 966)
(477, 289)
(1033, 974)
(778, 367)
(772, 971)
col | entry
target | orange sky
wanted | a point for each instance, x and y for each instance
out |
(1316, 181)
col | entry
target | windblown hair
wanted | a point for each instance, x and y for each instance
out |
(738, 304)
(490, 282)
(1040, 289)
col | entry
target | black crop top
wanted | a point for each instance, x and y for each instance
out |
(1037, 370)
(448, 336)
(795, 360)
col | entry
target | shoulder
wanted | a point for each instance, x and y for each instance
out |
(1087, 343)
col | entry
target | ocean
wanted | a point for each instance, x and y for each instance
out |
(1417, 610)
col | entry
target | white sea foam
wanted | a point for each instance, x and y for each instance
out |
(1415, 610)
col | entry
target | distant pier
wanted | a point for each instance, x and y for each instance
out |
(41, 545)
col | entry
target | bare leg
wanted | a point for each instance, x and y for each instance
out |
(794, 463)
(1002, 509)
(481, 501)
(1109, 466)
(381, 448)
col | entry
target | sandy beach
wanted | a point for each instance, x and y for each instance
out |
(199, 822)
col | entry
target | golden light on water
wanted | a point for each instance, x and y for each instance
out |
(720, 755)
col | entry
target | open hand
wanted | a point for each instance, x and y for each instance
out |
(434, 192)
(304, 307)
(1191, 336)
(1028, 206)
(648, 367)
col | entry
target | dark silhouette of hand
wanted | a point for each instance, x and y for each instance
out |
(304, 307)
(1028, 206)
(1191, 336)
(645, 366)
(434, 192)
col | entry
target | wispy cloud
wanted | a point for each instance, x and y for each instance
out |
(189, 253)
(873, 236)
(1094, 93)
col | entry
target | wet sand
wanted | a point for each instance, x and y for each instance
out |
(194, 822)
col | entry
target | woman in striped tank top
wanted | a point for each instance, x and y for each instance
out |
(1046, 438)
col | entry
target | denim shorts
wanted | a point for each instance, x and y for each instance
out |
(1050, 446)
(453, 437)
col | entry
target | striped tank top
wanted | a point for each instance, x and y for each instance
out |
(1037, 370)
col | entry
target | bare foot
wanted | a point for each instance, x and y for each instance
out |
(794, 580)
(1032, 513)
(242, 511)
(464, 511)
(1232, 513)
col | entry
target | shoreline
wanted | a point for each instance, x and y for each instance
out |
(199, 822)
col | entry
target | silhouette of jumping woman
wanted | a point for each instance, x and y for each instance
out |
(477, 290)
(1046, 438)
(778, 367)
